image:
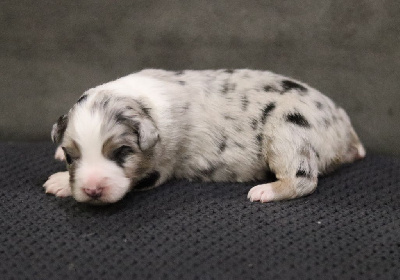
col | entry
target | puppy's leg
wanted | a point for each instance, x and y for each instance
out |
(59, 155)
(296, 170)
(58, 184)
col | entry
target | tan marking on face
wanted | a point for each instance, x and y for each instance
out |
(74, 152)
(108, 147)
(114, 142)
(137, 164)
(72, 149)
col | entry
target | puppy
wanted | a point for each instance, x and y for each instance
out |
(215, 125)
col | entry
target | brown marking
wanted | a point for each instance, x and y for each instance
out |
(108, 147)
(73, 149)
(283, 189)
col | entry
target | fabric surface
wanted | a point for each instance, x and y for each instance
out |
(348, 229)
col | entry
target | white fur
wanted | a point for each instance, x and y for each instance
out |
(106, 174)
(58, 184)
(263, 193)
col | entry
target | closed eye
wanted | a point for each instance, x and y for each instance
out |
(121, 153)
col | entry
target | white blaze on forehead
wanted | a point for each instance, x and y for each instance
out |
(88, 132)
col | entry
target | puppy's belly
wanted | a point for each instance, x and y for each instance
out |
(222, 173)
(239, 164)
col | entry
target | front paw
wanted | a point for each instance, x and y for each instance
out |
(58, 184)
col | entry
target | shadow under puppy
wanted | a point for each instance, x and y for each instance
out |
(213, 125)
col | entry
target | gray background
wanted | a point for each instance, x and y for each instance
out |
(51, 51)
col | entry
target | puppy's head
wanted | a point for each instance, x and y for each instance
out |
(109, 144)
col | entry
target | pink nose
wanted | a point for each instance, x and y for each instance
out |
(93, 193)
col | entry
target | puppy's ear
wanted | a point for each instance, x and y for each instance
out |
(148, 133)
(57, 133)
(144, 127)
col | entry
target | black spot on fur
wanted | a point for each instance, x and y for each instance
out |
(222, 145)
(302, 173)
(146, 111)
(239, 145)
(149, 181)
(259, 140)
(289, 85)
(227, 87)
(57, 132)
(319, 105)
(254, 124)
(120, 118)
(120, 154)
(82, 99)
(208, 172)
(297, 119)
(229, 118)
(178, 73)
(229, 71)
(182, 83)
(245, 102)
(266, 111)
(269, 88)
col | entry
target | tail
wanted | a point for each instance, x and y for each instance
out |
(356, 149)
(361, 153)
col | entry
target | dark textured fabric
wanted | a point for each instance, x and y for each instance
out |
(348, 229)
